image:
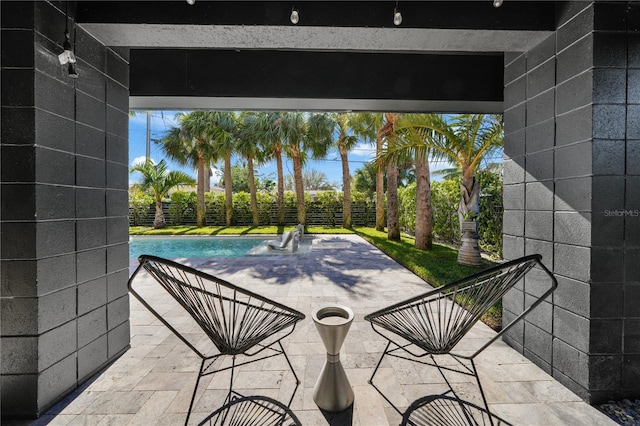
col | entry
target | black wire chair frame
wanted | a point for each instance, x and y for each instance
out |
(444, 410)
(252, 411)
(235, 320)
(434, 322)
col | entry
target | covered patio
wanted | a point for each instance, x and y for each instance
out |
(153, 381)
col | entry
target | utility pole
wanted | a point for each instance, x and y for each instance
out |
(148, 135)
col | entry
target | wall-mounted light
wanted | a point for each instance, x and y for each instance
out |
(397, 16)
(295, 17)
(497, 3)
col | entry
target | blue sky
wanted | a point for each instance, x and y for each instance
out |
(162, 121)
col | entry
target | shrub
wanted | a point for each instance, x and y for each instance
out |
(182, 207)
(327, 200)
(445, 196)
(140, 204)
(491, 208)
(407, 208)
(242, 208)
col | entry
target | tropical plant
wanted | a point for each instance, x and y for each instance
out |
(464, 139)
(191, 144)
(140, 204)
(371, 127)
(248, 145)
(157, 180)
(364, 180)
(303, 134)
(346, 141)
(388, 134)
(182, 206)
(266, 127)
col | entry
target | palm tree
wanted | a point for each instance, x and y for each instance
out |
(249, 146)
(191, 144)
(387, 133)
(368, 126)
(465, 140)
(302, 134)
(224, 128)
(424, 225)
(158, 181)
(345, 142)
(266, 129)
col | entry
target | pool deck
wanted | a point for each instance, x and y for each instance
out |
(152, 383)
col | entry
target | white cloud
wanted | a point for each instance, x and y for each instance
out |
(364, 150)
(140, 160)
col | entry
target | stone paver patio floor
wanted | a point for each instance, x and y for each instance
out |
(152, 383)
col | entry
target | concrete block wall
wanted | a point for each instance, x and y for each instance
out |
(571, 143)
(63, 220)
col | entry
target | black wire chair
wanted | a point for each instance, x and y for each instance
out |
(433, 323)
(252, 411)
(236, 321)
(442, 410)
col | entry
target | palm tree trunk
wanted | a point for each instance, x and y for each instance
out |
(252, 192)
(280, 200)
(297, 176)
(393, 223)
(469, 196)
(158, 220)
(346, 188)
(228, 189)
(424, 226)
(379, 184)
(200, 205)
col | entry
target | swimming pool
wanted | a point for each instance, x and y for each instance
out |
(172, 247)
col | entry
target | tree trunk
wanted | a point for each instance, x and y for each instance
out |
(393, 223)
(252, 193)
(469, 253)
(158, 220)
(469, 196)
(280, 200)
(424, 225)
(379, 185)
(297, 176)
(201, 216)
(228, 189)
(346, 188)
(207, 180)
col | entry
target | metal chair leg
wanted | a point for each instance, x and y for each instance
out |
(370, 381)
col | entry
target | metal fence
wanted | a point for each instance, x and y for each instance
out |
(321, 214)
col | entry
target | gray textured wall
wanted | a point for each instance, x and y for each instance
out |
(571, 181)
(64, 178)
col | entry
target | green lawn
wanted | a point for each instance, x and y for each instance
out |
(437, 266)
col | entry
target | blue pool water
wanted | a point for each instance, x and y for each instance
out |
(175, 247)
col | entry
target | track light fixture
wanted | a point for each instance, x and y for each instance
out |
(67, 57)
(72, 71)
(191, 2)
(295, 17)
(397, 16)
(497, 3)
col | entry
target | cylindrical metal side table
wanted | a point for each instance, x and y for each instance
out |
(332, 391)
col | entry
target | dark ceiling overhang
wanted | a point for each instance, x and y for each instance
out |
(447, 56)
